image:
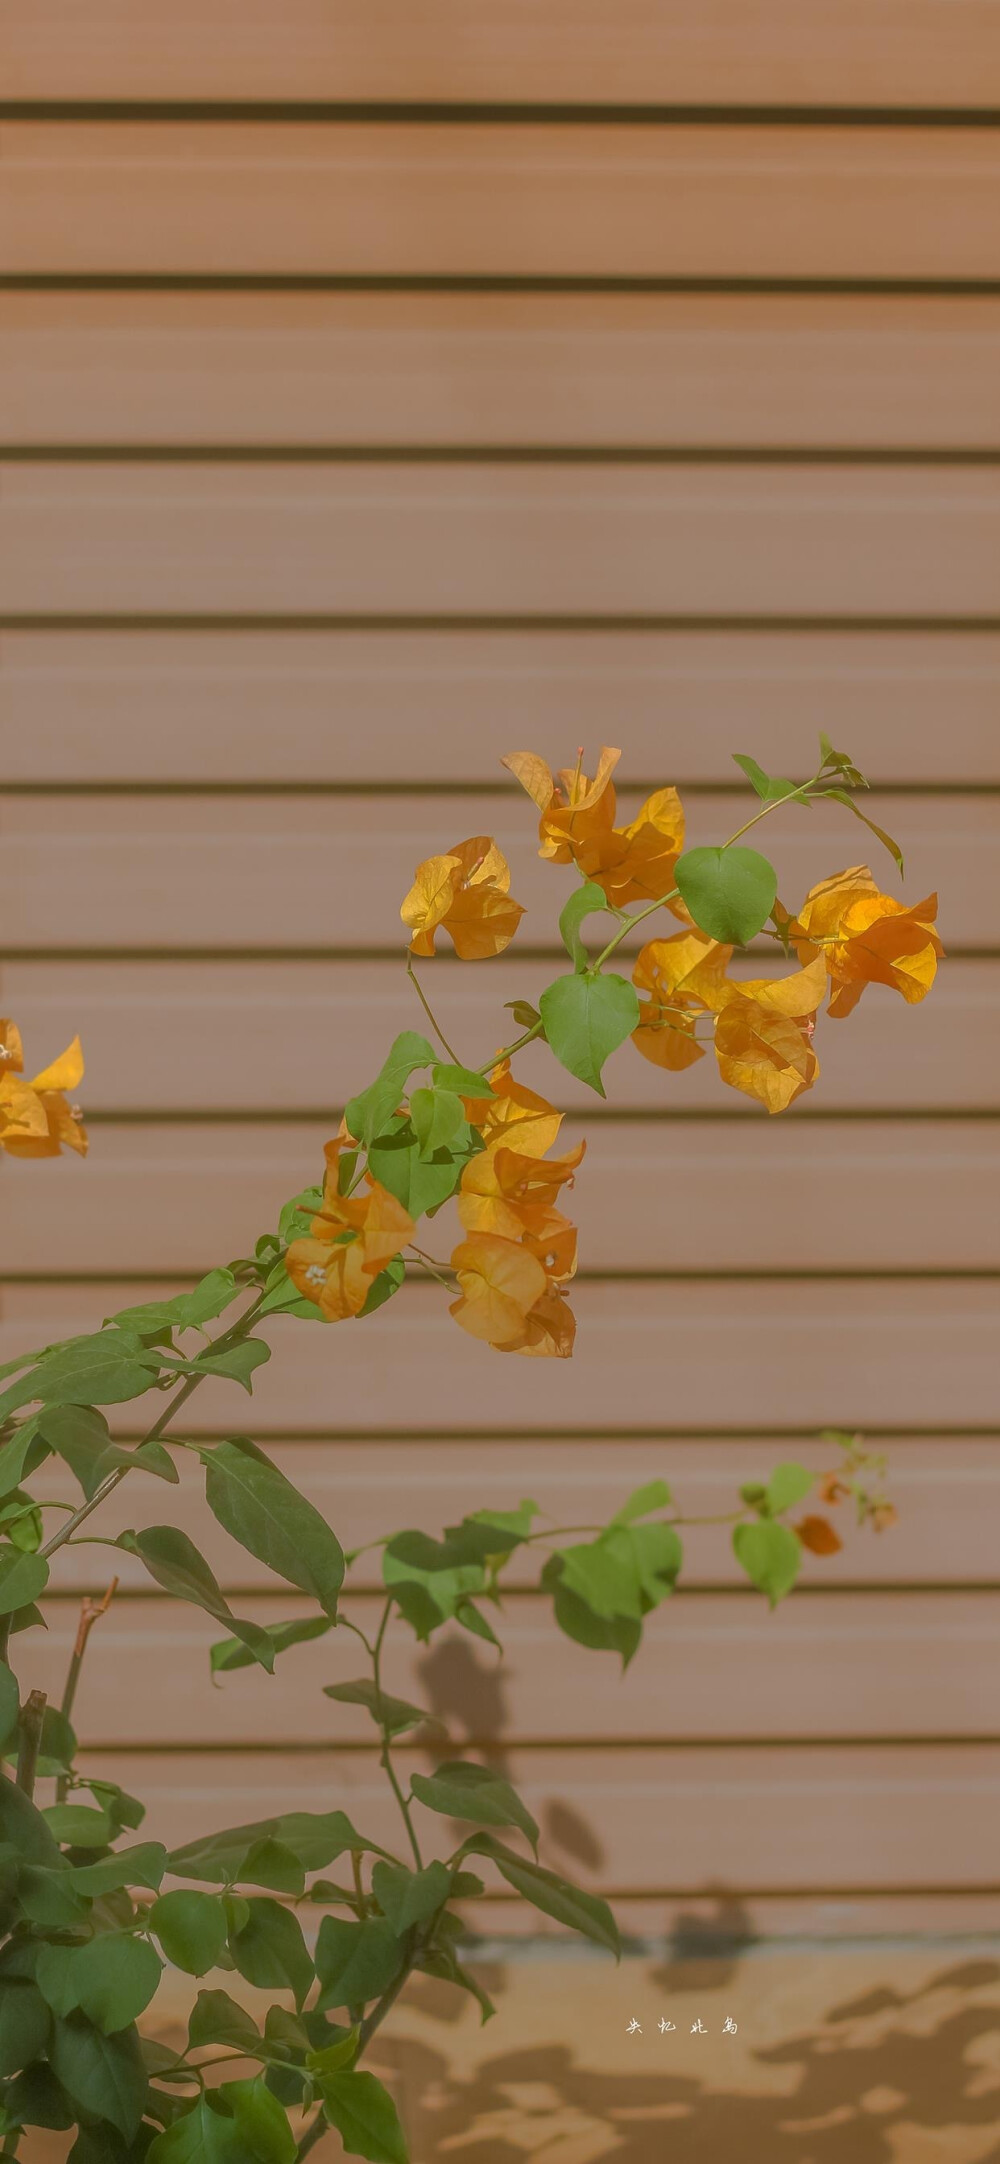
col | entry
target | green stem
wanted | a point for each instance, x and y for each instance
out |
(239, 1331)
(651, 907)
(313, 2134)
(387, 1765)
(429, 1012)
(31, 1736)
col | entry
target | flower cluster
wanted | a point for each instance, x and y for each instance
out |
(349, 1242)
(483, 1139)
(35, 1119)
(520, 1250)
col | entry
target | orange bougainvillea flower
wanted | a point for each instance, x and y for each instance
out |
(514, 1115)
(633, 863)
(504, 1190)
(684, 976)
(35, 1119)
(508, 1299)
(467, 894)
(867, 938)
(819, 1536)
(500, 1283)
(352, 1237)
(763, 1036)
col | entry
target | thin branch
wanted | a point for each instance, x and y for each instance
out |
(90, 1611)
(387, 1764)
(429, 1012)
(228, 1337)
(31, 1736)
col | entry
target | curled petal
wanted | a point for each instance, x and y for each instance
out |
(767, 1056)
(65, 1072)
(500, 1282)
(533, 774)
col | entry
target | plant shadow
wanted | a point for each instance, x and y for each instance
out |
(885, 2078)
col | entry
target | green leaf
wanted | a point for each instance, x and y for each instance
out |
(729, 892)
(173, 1560)
(204, 2135)
(602, 1634)
(191, 1928)
(658, 1556)
(472, 1619)
(272, 1521)
(420, 1185)
(80, 1436)
(770, 1554)
(228, 1653)
(260, 2122)
(297, 1213)
(103, 2074)
(111, 1979)
(367, 1113)
(787, 1485)
(271, 1951)
(210, 1297)
(654, 1495)
(525, 1015)
(569, 1905)
(395, 1714)
(25, 2022)
(10, 1706)
(586, 1019)
(21, 1455)
(461, 1790)
(216, 2019)
(604, 1573)
(331, 2057)
(22, 1578)
(383, 1286)
(78, 1826)
(466, 1081)
(284, 1298)
(49, 1899)
(770, 787)
(24, 1827)
(365, 2117)
(272, 1864)
(236, 1363)
(427, 1589)
(880, 834)
(317, 1838)
(443, 1962)
(356, 1962)
(36, 2098)
(586, 901)
(409, 1897)
(143, 1865)
(105, 1369)
(437, 1118)
(842, 761)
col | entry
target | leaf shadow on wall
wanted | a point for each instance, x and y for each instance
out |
(887, 2077)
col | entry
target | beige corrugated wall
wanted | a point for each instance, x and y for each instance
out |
(353, 432)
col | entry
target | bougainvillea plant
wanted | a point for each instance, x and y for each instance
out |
(89, 1914)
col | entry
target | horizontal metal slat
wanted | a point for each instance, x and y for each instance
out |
(892, 51)
(199, 1035)
(798, 544)
(447, 371)
(382, 200)
(853, 1352)
(430, 707)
